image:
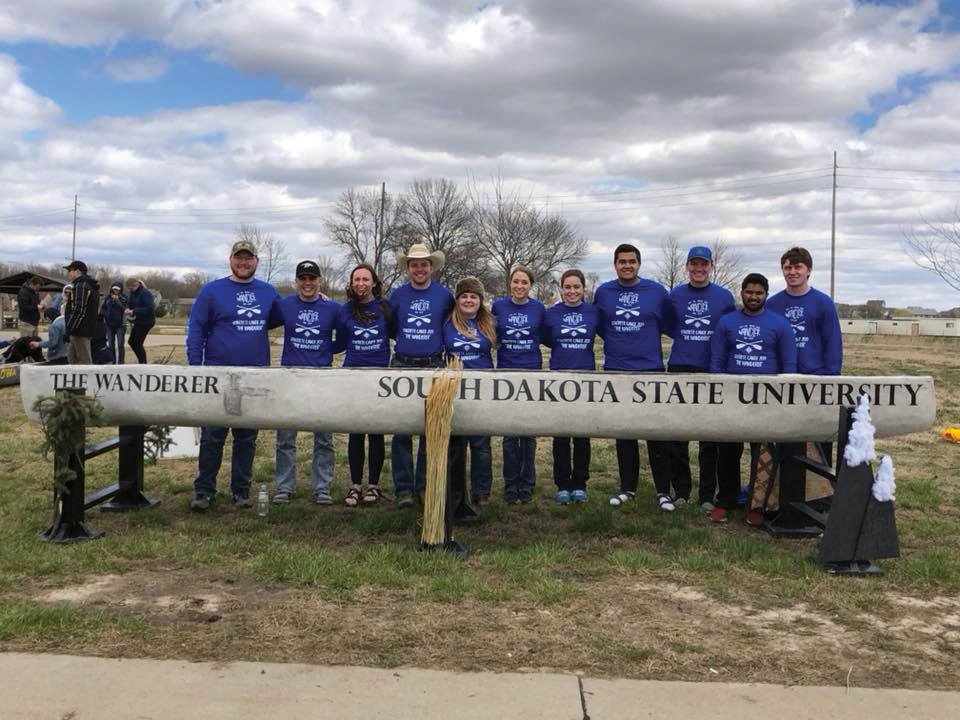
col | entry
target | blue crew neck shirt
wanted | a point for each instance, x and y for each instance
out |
(816, 328)
(569, 332)
(633, 319)
(473, 349)
(692, 316)
(418, 317)
(367, 343)
(228, 323)
(308, 331)
(753, 345)
(518, 333)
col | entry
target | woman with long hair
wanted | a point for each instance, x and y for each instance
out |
(363, 330)
(519, 318)
(569, 329)
(471, 335)
(141, 309)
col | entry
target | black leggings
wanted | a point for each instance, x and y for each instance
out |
(355, 454)
(138, 333)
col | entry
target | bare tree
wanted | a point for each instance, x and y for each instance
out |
(728, 266)
(332, 275)
(671, 267)
(355, 226)
(936, 248)
(271, 251)
(191, 283)
(509, 231)
(437, 212)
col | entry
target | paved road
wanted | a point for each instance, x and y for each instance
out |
(49, 687)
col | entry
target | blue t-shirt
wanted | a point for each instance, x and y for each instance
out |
(816, 328)
(692, 316)
(518, 333)
(418, 317)
(228, 323)
(753, 345)
(633, 319)
(473, 349)
(308, 331)
(367, 343)
(569, 333)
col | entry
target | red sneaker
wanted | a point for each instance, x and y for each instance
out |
(717, 515)
(755, 518)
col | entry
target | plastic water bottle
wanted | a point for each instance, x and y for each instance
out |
(263, 501)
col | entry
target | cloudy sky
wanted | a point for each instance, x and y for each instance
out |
(176, 120)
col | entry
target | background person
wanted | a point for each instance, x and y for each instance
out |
(29, 307)
(569, 329)
(112, 311)
(633, 313)
(418, 310)
(228, 326)
(56, 342)
(751, 341)
(470, 334)
(308, 323)
(141, 309)
(81, 313)
(518, 320)
(693, 310)
(364, 327)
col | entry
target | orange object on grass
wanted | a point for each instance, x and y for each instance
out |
(952, 434)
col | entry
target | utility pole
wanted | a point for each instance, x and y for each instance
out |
(383, 201)
(73, 247)
(833, 230)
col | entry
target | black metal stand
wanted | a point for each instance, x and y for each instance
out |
(129, 494)
(68, 520)
(456, 491)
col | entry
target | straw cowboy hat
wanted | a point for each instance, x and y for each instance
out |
(419, 251)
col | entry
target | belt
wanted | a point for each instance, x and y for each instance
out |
(419, 361)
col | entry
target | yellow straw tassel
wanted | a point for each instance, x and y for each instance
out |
(438, 415)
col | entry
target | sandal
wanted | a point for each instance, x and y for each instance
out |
(622, 498)
(371, 495)
(352, 497)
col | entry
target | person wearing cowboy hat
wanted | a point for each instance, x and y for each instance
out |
(419, 309)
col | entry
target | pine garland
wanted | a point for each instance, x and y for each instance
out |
(64, 419)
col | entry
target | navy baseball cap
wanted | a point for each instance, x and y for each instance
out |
(700, 251)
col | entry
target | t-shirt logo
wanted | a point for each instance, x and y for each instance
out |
(573, 325)
(749, 341)
(697, 313)
(461, 342)
(627, 300)
(419, 313)
(247, 305)
(520, 327)
(365, 333)
(307, 321)
(794, 314)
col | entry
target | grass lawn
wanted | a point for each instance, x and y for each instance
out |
(628, 592)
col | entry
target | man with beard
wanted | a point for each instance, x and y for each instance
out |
(228, 326)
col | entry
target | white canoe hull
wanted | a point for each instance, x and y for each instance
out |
(657, 406)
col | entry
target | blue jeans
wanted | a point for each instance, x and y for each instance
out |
(405, 480)
(115, 343)
(212, 439)
(321, 468)
(519, 466)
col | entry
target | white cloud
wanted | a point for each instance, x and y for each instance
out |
(139, 69)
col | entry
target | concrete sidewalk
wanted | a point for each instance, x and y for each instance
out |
(54, 687)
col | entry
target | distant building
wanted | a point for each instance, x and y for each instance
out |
(910, 326)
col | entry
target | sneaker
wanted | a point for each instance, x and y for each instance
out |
(666, 503)
(755, 518)
(579, 496)
(241, 499)
(562, 497)
(707, 505)
(679, 502)
(323, 498)
(717, 515)
(511, 499)
(281, 498)
(525, 498)
(405, 501)
(201, 503)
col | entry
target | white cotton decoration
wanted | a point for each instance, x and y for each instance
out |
(884, 486)
(860, 448)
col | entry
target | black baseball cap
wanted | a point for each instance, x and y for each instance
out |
(308, 267)
(76, 265)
